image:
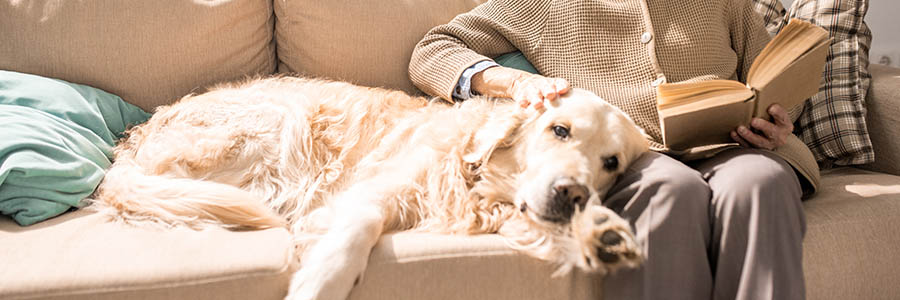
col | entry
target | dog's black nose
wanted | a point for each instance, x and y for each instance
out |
(565, 195)
(567, 190)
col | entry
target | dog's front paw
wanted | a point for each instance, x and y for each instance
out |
(607, 241)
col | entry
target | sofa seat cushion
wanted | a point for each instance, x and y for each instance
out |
(82, 256)
(853, 232)
(849, 253)
(410, 265)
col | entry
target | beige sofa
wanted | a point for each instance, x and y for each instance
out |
(152, 52)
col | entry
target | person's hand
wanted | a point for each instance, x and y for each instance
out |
(532, 90)
(525, 88)
(771, 135)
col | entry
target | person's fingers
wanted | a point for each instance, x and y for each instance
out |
(538, 104)
(548, 90)
(781, 117)
(768, 129)
(755, 139)
(533, 90)
(523, 95)
(533, 94)
(557, 88)
(562, 86)
(737, 138)
(777, 133)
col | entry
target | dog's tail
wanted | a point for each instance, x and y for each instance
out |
(131, 195)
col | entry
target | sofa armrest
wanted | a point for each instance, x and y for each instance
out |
(883, 118)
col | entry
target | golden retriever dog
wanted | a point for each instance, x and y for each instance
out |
(339, 165)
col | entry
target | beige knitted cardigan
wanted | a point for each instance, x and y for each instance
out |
(621, 50)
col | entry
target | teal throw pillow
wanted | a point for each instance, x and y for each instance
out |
(516, 60)
(56, 141)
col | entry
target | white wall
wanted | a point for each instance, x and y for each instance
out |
(883, 19)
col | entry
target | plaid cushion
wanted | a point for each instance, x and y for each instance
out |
(865, 43)
(772, 13)
(832, 123)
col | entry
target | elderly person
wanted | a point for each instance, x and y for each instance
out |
(722, 223)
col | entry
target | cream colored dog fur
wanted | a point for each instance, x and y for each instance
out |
(339, 165)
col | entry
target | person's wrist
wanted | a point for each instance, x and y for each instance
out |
(478, 82)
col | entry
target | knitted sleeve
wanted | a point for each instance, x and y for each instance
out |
(748, 35)
(491, 29)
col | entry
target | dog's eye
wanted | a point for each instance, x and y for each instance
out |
(560, 131)
(611, 163)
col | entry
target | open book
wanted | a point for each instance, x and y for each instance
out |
(787, 71)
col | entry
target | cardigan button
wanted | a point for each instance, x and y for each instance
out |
(646, 37)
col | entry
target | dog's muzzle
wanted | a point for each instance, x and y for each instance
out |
(565, 195)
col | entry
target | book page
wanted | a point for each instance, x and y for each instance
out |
(674, 94)
(799, 81)
(794, 40)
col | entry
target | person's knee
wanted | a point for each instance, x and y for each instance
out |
(767, 183)
(660, 183)
(679, 207)
(767, 177)
(682, 189)
(686, 182)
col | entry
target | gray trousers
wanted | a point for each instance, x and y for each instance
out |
(728, 227)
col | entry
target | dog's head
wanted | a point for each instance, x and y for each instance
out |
(567, 155)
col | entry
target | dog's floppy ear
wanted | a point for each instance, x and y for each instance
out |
(498, 131)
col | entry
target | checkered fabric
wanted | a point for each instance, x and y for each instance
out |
(772, 13)
(865, 43)
(832, 123)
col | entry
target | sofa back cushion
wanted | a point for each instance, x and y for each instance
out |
(364, 42)
(149, 53)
